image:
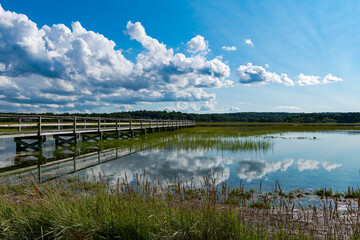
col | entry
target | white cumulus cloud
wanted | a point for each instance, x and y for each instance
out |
(208, 106)
(256, 75)
(308, 79)
(330, 78)
(226, 48)
(234, 109)
(248, 42)
(314, 80)
(183, 107)
(197, 44)
(57, 66)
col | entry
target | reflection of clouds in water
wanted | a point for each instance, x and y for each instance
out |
(330, 166)
(307, 164)
(314, 164)
(186, 165)
(256, 169)
(251, 169)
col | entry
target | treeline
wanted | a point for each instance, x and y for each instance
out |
(351, 117)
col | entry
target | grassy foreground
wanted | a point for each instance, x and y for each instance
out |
(81, 209)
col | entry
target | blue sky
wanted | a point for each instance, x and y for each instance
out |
(190, 56)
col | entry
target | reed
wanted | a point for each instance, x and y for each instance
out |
(76, 208)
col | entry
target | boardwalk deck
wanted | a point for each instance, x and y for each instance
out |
(34, 126)
(30, 131)
(68, 129)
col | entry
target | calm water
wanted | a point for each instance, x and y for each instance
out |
(298, 160)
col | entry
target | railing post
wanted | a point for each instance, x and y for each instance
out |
(39, 126)
(19, 122)
(117, 131)
(58, 122)
(150, 123)
(99, 124)
(75, 137)
(74, 125)
(40, 140)
(141, 124)
(84, 123)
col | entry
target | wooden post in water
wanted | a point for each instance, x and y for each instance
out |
(39, 172)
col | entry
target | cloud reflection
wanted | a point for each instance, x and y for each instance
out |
(330, 166)
(186, 165)
(307, 164)
(251, 169)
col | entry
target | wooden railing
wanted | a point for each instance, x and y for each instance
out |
(40, 125)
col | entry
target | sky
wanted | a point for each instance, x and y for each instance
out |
(189, 56)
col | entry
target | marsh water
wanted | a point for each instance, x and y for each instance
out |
(306, 160)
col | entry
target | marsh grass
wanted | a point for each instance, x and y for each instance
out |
(196, 142)
(186, 139)
(76, 208)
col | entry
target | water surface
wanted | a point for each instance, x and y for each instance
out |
(307, 160)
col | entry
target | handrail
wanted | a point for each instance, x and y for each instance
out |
(42, 124)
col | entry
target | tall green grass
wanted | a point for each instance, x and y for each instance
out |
(196, 142)
(78, 209)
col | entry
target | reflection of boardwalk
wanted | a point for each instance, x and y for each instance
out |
(51, 170)
(30, 131)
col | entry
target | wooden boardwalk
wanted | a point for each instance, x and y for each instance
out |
(68, 129)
